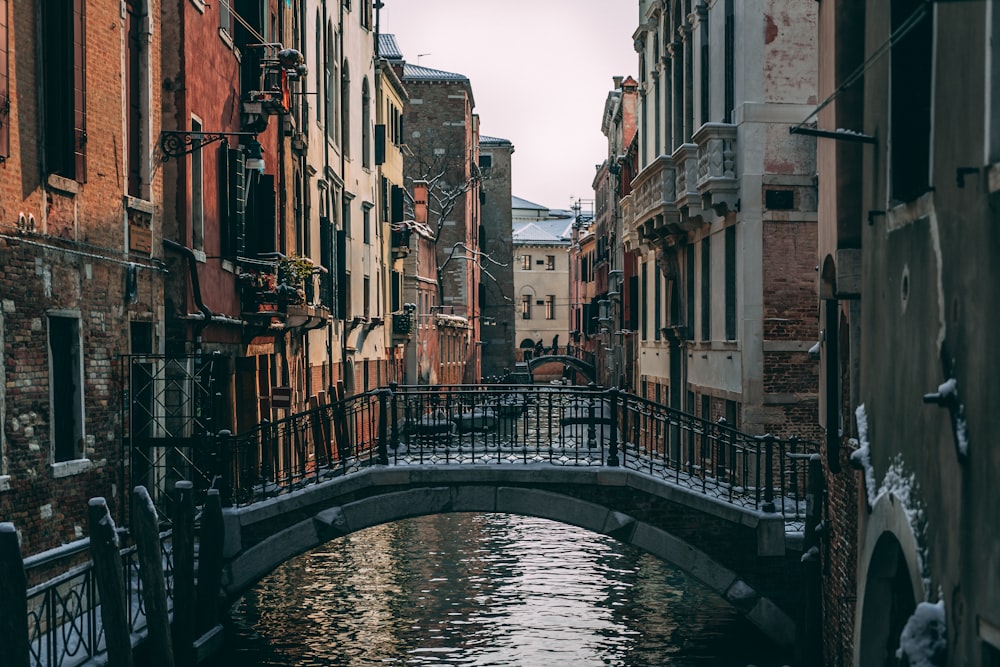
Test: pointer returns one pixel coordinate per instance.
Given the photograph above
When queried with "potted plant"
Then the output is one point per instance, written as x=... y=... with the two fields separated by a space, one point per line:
x=292 y=275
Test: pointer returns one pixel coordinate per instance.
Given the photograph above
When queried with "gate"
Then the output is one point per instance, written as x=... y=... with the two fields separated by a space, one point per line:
x=167 y=430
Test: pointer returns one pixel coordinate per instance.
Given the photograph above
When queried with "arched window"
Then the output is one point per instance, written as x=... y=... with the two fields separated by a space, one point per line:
x=331 y=83
x=366 y=119
x=320 y=80
x=345 y=109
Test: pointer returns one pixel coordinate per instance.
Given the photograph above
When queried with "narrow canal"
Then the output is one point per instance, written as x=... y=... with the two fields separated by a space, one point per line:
x=486 y=589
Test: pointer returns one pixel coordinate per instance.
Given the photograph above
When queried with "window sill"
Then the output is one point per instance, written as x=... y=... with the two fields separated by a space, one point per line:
x=137 y=204
x=199 y=5
x=904 y=215
x=70 y=468
x=226 y=38
x=4 y=482
x=199 y=255
x=993 y=177
x=66 y=185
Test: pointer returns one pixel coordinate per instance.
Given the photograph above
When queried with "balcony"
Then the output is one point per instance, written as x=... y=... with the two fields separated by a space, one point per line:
x=399 y=239
x=653 y=209
x=689 y=202
x=281 y=294
x=717 y=182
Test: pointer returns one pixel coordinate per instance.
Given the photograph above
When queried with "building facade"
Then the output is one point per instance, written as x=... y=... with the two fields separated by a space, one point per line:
x=541 y=283
x=443 y=185
x=909 y=155
x=496 y=301
x=81 y=257
x=723 y=211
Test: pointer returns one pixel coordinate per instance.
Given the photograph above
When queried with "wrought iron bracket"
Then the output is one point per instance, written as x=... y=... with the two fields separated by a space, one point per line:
x=174 y=143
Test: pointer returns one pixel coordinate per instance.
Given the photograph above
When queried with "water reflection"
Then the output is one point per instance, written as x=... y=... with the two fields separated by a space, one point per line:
x=486 y=589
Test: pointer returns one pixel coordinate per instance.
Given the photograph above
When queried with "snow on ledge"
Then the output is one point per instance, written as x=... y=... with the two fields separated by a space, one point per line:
x=924 y=640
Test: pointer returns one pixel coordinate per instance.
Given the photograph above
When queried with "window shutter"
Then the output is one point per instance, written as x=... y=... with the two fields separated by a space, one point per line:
x=4 y=84
x=79 y=91
x=260 y=237
x=380 y=144
x=397 y=204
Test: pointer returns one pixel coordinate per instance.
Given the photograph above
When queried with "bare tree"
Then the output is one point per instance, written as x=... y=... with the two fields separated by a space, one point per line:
x=449 y=175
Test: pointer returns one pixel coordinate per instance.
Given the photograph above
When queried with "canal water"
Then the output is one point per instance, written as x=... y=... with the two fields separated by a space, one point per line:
x=486 y=590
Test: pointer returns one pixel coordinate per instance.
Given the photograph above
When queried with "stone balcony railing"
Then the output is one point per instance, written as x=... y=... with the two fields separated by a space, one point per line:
x=689 y=202
x=716 y=176
x=653 y=211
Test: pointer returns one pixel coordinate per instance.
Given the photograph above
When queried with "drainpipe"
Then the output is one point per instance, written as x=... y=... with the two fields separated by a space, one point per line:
x=207 y=314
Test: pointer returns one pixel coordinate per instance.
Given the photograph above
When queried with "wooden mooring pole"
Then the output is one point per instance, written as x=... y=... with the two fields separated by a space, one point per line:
x=185 y=612
x=154 y=590
x=13 y=600
x=110 y=583
x=210 y=543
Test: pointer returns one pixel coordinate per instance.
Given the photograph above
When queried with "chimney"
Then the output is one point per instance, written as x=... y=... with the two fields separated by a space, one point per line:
x=618 y=81
x=420 y=201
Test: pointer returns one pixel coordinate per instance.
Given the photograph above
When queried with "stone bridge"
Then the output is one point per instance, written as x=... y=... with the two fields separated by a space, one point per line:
x=743 y=554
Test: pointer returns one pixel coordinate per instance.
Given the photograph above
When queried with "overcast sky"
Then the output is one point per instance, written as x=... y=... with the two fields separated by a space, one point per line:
x=540 y=73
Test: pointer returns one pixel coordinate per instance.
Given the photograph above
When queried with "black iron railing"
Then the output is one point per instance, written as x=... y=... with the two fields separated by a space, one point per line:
x=518 y=424
x=64 y=619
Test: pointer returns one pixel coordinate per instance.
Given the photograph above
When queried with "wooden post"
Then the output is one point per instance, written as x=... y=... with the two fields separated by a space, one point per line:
x=210 y=545
x=110 y=583
x=13 y=599
x=154 y=590
x=184 y=600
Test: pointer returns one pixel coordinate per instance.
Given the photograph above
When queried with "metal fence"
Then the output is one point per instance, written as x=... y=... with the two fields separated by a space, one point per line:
x=64 y=620
x=517 y=424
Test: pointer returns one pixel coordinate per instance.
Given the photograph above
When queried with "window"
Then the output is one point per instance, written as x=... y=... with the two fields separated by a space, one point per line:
x=526 y=262
x=232 y=200
x=910 y=106
x=526 y=307
x=366 y=121
x=550 y=307
x=645 y=300
x=136 y=83
x=550 y=263
x=226 y=16
x=731 y=282
x=332 y=98
x=345 y=109
x=197 y=190
x=64 y=89
x=366 y=14
x=367 y=212
x=729 y=101
x=657 y=303
x=367 y=288
x=689 y=295
x=706 y=289
x=66 y=398
x=485 y=161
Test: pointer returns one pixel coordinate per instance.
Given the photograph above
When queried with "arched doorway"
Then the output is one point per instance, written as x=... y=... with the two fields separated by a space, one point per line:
x=888 y=602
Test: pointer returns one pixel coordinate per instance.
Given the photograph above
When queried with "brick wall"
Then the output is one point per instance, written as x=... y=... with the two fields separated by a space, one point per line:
x=72 y=262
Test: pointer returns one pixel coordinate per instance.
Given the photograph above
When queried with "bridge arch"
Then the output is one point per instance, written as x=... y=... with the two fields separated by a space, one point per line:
x=261 y=537
x=583 y=367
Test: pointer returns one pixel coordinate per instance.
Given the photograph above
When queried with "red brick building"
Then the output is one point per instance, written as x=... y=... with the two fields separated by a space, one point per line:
x=442 y=134
x=81 y=270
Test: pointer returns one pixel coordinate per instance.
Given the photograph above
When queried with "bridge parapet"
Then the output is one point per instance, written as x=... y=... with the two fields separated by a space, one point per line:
x=517 y=425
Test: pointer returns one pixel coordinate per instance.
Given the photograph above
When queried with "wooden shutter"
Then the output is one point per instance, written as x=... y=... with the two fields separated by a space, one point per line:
x=79 y=91
x=4 y=84
x=380 y=144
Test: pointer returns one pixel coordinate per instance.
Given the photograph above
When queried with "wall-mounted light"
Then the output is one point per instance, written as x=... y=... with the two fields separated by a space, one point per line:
x=254 y=155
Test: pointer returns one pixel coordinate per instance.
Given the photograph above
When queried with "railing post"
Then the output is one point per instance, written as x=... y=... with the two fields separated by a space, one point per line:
x=13 y=599
x=224 y=447
x=613 y=449
x=184 y=600
x=146 y=528
x=210 y=547
x=591 y=426
x=394 y=441
x=768 y=505
x=110 y=583
x=266 y=473
x=383 y=422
